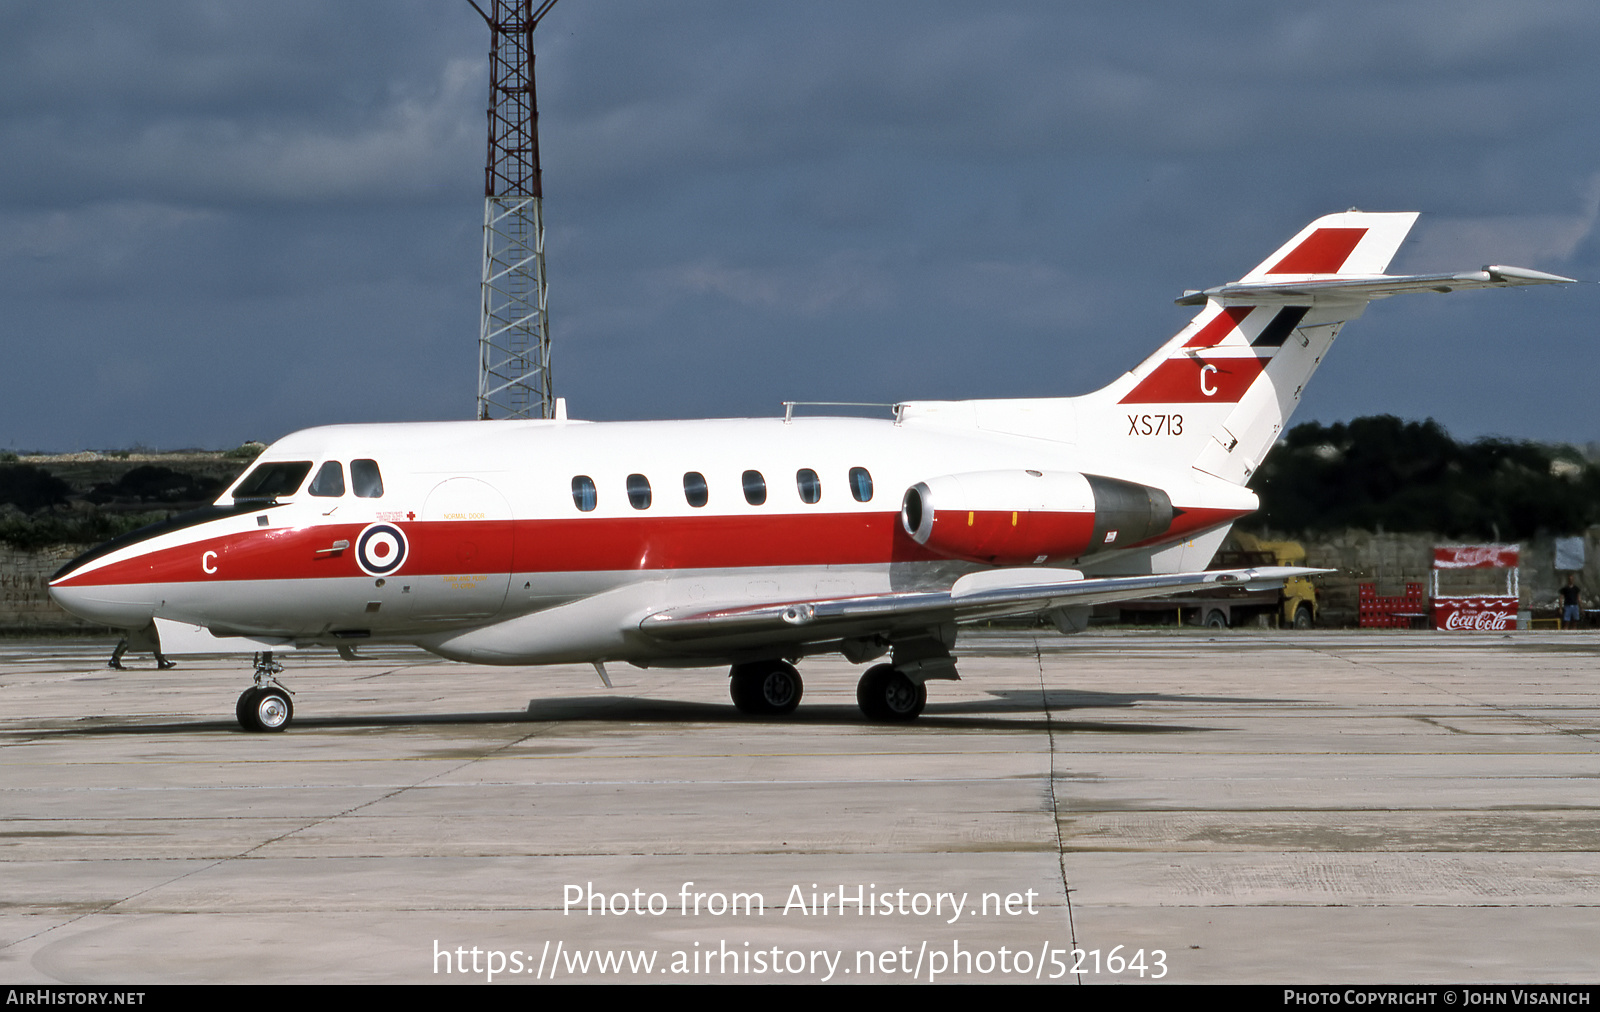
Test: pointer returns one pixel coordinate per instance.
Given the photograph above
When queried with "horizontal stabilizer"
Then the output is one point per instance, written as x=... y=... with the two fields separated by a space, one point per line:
x=1344 y=288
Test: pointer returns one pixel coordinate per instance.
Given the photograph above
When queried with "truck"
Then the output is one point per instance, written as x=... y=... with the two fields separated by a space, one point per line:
x=1292 y=607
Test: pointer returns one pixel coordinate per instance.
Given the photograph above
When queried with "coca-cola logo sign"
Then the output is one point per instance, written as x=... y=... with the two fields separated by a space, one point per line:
x=1475 y=614
x=1483 y=620
x=1477 y=556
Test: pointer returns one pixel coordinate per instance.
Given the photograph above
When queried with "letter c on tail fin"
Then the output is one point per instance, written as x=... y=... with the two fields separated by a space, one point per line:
x=1238 y=370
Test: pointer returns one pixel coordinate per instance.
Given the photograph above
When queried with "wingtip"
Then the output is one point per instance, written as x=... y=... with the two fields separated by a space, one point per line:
x=1525 y=276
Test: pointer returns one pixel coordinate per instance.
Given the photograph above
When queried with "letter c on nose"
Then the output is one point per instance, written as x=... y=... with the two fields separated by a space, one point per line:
x=208 y=562
x=1208 y=391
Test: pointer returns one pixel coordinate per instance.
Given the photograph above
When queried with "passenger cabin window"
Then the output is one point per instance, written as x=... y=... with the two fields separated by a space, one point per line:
x=583 y=493
x=639 y=491
x=366 y=479
x=329 y=481
x=861 y=484
x=809 y=484
x=755 y=488
x=695 y=490
x=268 y=481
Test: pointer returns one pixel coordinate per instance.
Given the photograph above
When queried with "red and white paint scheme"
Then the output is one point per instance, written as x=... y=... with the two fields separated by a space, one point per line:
x=757 y=542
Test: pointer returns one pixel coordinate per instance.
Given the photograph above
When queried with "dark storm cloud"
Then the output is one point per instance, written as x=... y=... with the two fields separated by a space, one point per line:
x=225 y=103
x=221 y=221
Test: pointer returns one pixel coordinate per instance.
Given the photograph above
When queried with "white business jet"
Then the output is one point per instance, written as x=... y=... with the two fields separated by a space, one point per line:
x=758 y=542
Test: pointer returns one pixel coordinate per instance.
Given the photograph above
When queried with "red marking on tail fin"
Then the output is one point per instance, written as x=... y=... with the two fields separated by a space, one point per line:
x=1219 y=328
x=1188 y=380
x=1323 y=252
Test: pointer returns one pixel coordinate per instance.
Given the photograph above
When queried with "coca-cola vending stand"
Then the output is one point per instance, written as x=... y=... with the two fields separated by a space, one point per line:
x=1479 y=611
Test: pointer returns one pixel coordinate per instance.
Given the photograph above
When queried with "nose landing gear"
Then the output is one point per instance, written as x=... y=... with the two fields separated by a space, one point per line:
x=266 y=705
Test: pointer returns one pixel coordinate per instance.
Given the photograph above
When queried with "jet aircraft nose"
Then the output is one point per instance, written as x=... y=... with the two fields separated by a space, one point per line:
x=103 y=599
x=125 y=606
x=100 y=585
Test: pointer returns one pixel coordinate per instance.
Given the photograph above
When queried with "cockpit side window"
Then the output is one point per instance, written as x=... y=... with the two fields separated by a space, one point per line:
x=270 y=480
x=366 y=479
x=329 y=481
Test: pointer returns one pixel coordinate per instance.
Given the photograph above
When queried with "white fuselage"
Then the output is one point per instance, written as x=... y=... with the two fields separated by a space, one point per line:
x=519 y=542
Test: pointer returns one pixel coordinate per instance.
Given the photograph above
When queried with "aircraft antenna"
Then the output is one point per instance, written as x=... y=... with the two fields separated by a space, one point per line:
x=514 y=326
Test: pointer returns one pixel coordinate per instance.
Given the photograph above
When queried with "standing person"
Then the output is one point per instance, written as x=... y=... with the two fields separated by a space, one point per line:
x=1571 y=599
x=147 y=640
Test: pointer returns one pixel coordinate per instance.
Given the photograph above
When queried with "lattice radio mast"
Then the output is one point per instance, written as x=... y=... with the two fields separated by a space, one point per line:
x=514 y=330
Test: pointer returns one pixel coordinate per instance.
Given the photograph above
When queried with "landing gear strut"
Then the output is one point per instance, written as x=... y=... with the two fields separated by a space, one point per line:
x=266 y=705
x=898 y=691
x=886 y=694
x=768 y=688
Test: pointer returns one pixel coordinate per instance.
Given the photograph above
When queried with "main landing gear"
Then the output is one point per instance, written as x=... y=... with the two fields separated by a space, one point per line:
x=266 y=705
x=886 y=694
x=773 y=689
x=766 y=688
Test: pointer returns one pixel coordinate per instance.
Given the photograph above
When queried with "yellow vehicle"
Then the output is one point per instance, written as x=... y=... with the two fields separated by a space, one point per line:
x=1298 y=599
x=1292 y=607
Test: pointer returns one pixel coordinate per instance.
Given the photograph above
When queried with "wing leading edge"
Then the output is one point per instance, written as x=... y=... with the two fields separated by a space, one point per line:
x=976 y=596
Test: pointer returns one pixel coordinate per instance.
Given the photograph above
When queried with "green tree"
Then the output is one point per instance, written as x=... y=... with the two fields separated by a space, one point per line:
x=1381 y=472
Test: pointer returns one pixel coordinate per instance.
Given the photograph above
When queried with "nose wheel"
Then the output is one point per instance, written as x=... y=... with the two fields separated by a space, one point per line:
x=264 y=709
x=266 y=705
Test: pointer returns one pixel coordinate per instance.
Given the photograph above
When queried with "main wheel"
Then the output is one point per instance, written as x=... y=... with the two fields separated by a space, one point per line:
x=264 y=709
x=1215 y=619
x=885 y=693
x=771 y=688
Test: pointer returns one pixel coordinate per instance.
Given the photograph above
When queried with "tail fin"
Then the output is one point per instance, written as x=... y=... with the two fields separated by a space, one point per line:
x=1352 y=244
x=1218 y=394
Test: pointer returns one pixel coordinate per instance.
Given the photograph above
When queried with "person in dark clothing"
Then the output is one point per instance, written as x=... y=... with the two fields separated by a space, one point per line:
x=1571 y=603
x=146 y=640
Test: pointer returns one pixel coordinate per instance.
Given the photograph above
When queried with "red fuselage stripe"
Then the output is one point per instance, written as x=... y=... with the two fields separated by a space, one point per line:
x=553 y=546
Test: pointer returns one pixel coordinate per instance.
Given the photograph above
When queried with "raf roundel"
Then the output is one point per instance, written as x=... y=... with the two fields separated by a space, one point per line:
x=380 y=549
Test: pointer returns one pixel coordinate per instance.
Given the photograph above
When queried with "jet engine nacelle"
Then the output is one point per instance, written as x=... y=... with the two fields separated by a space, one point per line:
x=1015 y=517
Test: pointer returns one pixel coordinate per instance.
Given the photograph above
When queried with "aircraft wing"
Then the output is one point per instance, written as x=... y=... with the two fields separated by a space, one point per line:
x=1377 y=286
x=989 y=594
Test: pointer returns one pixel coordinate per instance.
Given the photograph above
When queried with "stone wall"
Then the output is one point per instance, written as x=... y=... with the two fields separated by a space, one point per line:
x=1393 y=560
x=25 y=605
